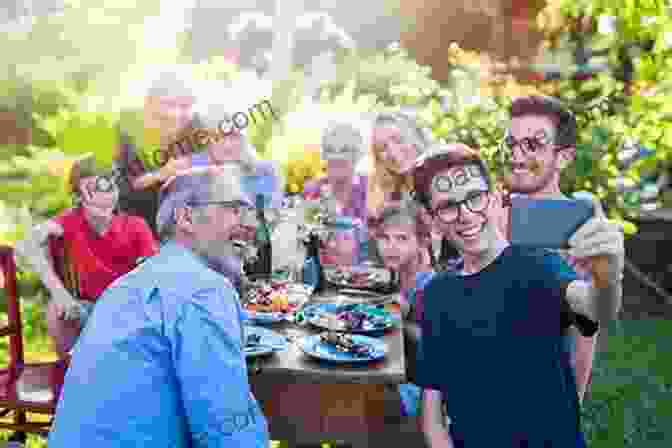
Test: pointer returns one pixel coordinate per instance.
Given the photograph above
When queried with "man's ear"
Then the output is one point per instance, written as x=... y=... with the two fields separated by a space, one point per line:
x=183 y=217
x=566 y=157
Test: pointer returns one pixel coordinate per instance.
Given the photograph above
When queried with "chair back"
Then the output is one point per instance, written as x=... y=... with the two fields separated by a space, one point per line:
x=14 y=328
x=62 y=265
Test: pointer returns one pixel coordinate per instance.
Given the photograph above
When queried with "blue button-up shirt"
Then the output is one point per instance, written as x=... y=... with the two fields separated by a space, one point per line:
x=160 y=364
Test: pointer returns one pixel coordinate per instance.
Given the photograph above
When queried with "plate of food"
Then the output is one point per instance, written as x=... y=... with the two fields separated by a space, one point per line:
x=343 y=348
x=351 y=317
x=262 y=341
x=358 y=277
x=268 y=301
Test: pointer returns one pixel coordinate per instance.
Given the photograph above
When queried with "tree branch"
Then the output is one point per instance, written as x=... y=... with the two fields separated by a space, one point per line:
x=647 y=281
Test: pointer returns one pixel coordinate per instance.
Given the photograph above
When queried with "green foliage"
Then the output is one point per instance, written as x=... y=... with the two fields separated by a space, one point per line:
x=34 y=182
x=608 y=112
x=391 y=75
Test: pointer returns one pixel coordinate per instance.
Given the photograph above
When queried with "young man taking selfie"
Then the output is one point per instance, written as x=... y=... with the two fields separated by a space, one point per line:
x=492 y=345
x=540 y=144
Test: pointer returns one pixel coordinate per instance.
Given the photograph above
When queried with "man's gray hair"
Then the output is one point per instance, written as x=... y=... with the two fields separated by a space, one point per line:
x=193 y=187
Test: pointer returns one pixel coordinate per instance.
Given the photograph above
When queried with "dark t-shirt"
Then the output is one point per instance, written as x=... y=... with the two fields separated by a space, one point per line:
x=493 y=345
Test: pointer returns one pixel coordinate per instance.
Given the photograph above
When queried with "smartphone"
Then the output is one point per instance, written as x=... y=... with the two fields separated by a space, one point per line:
x=546 y=223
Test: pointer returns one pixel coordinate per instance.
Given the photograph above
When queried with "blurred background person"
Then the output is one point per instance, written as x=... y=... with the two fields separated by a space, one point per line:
x=343 y=192
x=397 y=142
x=342 y=148
x=168 y=116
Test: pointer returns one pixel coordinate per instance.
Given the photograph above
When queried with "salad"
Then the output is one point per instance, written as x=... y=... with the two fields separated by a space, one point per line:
x=276 y=296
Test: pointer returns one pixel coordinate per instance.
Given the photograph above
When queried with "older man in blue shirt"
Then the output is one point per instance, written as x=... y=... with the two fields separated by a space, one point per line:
x=161 y=361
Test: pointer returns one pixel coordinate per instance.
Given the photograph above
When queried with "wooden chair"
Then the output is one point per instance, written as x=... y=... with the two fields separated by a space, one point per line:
x=24 y=387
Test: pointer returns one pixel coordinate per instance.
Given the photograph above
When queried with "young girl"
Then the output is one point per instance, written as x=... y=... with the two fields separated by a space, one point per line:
x=403 y=237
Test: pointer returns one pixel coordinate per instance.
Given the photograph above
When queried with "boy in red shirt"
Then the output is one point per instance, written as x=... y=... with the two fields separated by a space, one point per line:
x=97 y=244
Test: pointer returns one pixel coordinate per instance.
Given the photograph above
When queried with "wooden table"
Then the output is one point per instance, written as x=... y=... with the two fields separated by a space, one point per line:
x=307 y=400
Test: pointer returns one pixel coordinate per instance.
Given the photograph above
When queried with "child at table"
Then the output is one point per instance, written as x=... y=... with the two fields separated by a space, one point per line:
x=403 y=237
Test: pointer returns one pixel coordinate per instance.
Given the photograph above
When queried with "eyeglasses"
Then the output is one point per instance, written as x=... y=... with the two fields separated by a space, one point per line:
x=476 y=202
x=106 y=183
x=238 y=206
x=529 y=146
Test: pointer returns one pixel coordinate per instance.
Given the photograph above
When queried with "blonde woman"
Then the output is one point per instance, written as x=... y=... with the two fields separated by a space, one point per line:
x=397 y=143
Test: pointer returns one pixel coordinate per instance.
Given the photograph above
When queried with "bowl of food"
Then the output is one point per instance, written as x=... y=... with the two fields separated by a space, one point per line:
x=274 y=300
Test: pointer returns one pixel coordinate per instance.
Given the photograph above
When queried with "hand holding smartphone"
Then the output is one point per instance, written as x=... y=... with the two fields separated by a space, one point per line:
x=546 y=223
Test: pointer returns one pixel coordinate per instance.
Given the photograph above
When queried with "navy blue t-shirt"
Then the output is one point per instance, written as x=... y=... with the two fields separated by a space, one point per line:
x=493 y=345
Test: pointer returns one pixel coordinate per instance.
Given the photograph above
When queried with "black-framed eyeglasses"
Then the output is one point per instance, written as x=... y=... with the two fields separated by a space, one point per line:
x=239 y=206
x=529 y=146
x=475 y=202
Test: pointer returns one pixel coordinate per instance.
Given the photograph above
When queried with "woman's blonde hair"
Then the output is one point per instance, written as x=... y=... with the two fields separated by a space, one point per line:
x=383 y=178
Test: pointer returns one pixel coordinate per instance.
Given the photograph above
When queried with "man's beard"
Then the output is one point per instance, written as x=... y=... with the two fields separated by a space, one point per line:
x=541 y=180
x=227 y=265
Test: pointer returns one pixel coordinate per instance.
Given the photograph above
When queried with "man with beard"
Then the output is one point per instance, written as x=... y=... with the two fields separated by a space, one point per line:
x=98 y=245
x=540 y=144
x=161 y=362
x=492 y=335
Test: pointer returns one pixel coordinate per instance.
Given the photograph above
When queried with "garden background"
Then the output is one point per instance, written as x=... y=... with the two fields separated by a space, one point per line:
x=64 y=94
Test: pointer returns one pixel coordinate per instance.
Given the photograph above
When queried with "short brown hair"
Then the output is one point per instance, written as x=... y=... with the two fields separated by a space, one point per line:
x=84 y=166
x=440 y=158
x=546 y=106
x=404 y=207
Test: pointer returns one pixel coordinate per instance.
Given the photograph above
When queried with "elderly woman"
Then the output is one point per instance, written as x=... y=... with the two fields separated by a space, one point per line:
x=342 y=148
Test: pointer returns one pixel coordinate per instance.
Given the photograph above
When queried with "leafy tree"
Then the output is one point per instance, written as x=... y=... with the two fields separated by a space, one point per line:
x=613 y=107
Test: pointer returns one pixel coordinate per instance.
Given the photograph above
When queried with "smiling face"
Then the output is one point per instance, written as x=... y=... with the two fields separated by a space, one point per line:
x=534 y=162
x=398 y=244
x=463 y=210
x=216 y=220
x=99 y=195
x=395 y=147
